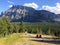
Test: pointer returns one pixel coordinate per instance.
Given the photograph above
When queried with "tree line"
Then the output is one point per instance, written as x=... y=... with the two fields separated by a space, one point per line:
x=7 y=27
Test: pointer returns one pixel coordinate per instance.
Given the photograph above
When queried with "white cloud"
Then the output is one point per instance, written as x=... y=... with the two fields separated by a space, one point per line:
x=33 y=5
x=10 y=5
x=10 y=2
x=55 y=9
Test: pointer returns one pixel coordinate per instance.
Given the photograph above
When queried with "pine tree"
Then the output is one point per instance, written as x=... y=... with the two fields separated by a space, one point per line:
x=40 y=31
x=16 y=28
x=49 y=31
x=22 y=26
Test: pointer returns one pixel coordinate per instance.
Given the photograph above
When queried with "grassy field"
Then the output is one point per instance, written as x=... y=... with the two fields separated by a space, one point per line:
x=23 y=39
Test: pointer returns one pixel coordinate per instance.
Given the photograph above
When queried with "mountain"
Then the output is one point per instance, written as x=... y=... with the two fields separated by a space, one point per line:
x=18 y=13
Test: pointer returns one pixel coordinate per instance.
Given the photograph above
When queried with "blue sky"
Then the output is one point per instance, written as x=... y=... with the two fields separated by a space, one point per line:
x=38 y=4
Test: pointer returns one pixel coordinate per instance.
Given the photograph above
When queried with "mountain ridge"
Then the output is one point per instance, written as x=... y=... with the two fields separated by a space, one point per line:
x=18 y=13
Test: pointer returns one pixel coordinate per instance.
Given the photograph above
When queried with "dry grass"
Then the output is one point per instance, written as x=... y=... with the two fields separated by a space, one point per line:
x=20 y=39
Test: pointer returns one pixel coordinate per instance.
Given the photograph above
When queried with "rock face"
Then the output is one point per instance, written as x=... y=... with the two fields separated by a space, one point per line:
x=18 y=13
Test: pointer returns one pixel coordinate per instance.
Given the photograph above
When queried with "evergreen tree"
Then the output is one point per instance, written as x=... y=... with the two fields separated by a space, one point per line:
x=40 y=31
x=49 y=31
x=22 y=27
x=16 y=28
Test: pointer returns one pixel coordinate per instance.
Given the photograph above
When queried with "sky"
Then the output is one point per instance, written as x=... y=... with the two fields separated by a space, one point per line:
x=49 y=5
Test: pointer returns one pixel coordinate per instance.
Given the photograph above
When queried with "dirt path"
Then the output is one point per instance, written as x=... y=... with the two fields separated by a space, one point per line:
x=29 y=39
x=46 y=39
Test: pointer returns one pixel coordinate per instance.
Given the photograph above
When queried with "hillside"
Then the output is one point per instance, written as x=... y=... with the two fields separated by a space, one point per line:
x=18 y=13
